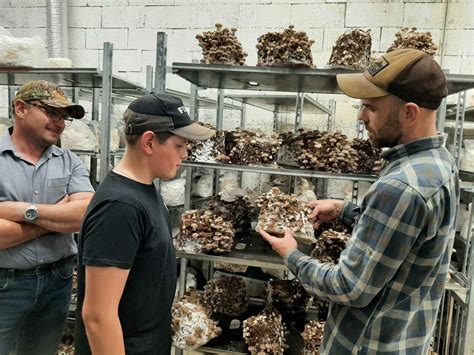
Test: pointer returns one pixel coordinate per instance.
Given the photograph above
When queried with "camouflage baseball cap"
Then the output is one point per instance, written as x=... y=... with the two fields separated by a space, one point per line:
x=49 y=94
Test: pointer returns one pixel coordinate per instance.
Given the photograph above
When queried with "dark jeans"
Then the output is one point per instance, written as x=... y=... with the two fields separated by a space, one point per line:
x=33 y=308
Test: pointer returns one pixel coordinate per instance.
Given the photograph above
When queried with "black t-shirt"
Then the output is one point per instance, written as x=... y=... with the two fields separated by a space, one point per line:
x=127 y=226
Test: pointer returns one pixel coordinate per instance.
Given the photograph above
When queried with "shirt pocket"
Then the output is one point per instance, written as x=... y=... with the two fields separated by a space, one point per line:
x=57 y=189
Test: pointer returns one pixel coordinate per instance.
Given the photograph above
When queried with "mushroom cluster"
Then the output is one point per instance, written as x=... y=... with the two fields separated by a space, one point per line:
x=202 y=231
x=221 y=47
x=287 y=48
x=368 y=157
x=279 y=211
x=410 y=38
x=331 y=152
x=245 y=147
x=313 y=336
x=352 y=50
x=226 y=295
x=288 y=296
x=265 y=333
x=191 y=325
x=329 y=246
x=236 y=212
x=336 y=225
x=207 y=150
x=66 y=349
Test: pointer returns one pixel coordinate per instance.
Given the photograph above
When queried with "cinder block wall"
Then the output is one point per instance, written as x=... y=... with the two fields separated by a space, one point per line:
x=131 y=26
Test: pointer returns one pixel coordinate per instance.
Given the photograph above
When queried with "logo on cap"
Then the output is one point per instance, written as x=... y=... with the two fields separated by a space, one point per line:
x=182 y=109
x=377 y=66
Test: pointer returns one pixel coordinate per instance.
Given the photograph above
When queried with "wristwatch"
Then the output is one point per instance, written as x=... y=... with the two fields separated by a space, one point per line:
x=31 y=213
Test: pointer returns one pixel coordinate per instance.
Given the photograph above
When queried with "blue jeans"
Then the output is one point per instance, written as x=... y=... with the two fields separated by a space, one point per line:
x=33 y=308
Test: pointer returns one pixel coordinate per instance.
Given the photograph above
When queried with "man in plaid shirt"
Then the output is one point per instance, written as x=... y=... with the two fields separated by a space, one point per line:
x=385 y=290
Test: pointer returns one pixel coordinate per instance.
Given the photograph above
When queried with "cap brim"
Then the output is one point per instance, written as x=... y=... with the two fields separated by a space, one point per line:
x=73 y=110
x=357 y=86
x=194 y=132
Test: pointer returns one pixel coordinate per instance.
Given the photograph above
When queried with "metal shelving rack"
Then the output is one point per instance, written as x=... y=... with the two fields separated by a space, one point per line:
x=256 y=252
x=320 y=81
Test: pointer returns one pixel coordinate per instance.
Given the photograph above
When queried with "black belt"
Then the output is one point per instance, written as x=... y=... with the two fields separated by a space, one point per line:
x=40 y=269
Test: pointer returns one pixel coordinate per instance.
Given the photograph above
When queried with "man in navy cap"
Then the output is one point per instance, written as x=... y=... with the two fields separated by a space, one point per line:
x=127 y=264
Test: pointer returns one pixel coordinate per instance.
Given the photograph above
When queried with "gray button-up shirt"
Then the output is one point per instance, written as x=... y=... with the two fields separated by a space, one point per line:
x=58 y=173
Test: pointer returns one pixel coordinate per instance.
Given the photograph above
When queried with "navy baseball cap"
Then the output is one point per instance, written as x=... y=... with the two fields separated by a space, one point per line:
x=162 y=113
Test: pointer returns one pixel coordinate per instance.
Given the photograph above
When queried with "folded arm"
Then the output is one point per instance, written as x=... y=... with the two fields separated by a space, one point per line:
x=14 y=233
x=63 y=217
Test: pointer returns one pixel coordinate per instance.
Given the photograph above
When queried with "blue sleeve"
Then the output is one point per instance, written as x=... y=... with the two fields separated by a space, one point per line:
x=390 y=221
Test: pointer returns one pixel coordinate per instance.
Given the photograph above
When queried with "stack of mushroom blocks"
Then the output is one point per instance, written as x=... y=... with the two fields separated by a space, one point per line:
x=221 y=47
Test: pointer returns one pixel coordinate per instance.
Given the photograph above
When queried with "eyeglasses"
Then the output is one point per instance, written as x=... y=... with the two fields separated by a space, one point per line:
x=54 y=114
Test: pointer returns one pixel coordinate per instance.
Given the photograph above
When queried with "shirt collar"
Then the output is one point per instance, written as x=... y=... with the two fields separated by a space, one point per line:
x=412 y=147
x=6 y=144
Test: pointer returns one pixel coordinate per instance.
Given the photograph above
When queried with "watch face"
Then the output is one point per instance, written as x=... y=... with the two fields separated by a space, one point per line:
x=31 y=214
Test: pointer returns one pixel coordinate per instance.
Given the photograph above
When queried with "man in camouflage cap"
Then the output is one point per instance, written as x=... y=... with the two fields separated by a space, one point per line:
x=44 y=192
x=49 y=94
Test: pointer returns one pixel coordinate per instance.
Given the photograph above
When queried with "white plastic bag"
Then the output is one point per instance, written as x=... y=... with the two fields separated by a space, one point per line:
x=22 y=52
x=173 y=192
x=203 y=187
x=80 y=135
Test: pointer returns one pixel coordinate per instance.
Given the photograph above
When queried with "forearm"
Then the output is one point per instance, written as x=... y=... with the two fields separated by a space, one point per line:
x=62 y=218
x=14 y=233
x=325 y=280
x=104 y=333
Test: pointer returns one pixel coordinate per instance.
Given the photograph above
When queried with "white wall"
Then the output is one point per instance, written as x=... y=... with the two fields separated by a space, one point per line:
x=131 y=26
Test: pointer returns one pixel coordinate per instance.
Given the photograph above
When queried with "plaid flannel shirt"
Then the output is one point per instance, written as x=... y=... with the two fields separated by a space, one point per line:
x=386 y=289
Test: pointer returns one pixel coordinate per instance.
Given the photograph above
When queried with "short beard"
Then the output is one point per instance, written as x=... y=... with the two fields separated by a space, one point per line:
x=390 y=134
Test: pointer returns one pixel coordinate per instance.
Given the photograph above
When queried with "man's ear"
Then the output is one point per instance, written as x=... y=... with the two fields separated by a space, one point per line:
x=147 y=140
x=411 y=112
x=19 y=108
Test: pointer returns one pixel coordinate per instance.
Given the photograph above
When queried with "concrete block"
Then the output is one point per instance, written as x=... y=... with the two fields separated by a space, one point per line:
x=12 y=17
x=459 y=64
x=98 y=2
x=153 y=2
x=424 y=15
x=27 y=3
x=460 y=15
x=317 y=35
x=142 y=38
x=293 y=2
x=319 y=15
x=374 y=15
x=149 y=58
x=95 y=38
x=387 y=37
x=459 y=42
x=23 y=17
x=123 y=16
x=167 y=16
x=206 y=15
x=127 y=60
x=77 y=38
x=85 y=58
x=86 y=17
x=4 y=3
x=264 y=16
